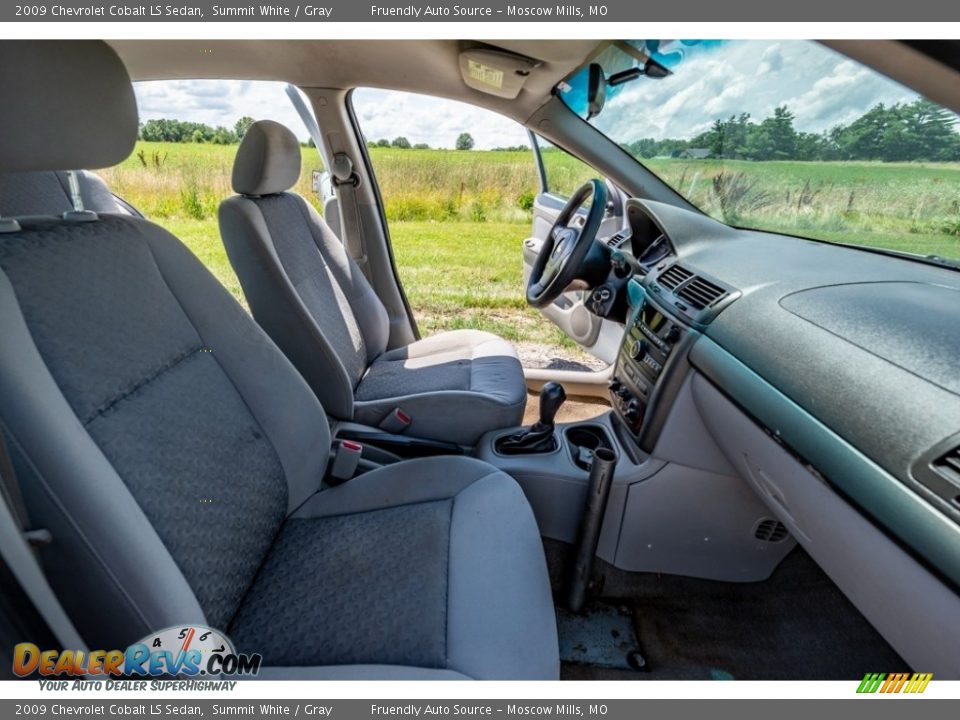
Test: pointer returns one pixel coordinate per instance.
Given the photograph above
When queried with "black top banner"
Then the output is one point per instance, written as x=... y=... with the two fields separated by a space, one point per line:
x=495 y=11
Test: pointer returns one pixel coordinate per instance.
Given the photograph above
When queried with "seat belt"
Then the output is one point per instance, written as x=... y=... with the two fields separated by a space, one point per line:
x=345 y=181
x=19 y=557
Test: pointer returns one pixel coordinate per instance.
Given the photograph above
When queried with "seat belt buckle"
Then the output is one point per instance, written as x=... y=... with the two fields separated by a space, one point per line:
x=346 y=459
x=396 y=422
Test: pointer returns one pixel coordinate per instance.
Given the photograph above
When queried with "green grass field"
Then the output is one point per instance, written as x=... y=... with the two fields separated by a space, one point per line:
x=900 y=206
x=457 y=219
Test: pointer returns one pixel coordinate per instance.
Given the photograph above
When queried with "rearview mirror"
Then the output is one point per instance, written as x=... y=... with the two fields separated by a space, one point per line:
x=596 y=90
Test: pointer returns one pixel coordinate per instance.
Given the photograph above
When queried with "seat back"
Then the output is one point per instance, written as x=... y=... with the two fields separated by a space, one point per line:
x=303 y=287
x=158 y=433
x=48 y=193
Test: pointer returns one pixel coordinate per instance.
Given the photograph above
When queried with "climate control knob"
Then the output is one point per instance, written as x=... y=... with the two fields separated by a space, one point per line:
x=639 y=349
x=633 y=413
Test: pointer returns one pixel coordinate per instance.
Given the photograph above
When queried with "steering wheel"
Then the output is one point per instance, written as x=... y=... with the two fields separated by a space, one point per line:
x=565 y=248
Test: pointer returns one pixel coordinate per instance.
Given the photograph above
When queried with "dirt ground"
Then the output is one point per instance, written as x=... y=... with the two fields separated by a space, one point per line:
x=552 y=357
x=575 y=408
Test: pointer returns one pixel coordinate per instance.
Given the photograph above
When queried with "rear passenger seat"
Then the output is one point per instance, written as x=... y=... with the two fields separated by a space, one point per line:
x=48 y=193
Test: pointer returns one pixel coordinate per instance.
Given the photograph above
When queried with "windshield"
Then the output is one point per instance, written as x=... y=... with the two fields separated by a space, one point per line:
x=788 y=136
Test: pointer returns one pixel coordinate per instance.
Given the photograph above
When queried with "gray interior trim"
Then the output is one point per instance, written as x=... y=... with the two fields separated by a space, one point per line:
x=334 y=114
x=904 y=513
x=908 y=605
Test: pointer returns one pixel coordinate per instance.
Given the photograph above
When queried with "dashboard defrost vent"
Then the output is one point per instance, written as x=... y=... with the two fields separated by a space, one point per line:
x=674 y=276
x=770 y=530
x=701 y=293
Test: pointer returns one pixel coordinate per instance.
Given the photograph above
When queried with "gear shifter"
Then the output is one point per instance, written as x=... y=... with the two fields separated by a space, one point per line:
x=539 y=437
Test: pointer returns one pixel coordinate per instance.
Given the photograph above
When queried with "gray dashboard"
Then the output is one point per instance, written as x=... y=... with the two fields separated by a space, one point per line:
x=866 y=344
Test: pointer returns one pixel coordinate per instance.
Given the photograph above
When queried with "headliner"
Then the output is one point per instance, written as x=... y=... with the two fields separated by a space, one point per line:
x=420 y=66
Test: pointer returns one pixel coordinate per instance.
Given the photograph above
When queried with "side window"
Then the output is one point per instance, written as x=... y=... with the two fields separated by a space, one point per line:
x=562 y=172
x=458 y=185
x=439 y=160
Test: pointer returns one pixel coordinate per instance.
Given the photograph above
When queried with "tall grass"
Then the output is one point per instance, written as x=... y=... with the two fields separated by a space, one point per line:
x=913 y=207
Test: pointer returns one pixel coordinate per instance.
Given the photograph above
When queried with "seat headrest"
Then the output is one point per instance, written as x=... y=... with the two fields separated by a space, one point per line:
x=268 y=160
x=67 y=104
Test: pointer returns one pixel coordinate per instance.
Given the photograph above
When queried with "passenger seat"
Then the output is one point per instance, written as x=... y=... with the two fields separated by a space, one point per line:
x=313 y=300
x=178 y=458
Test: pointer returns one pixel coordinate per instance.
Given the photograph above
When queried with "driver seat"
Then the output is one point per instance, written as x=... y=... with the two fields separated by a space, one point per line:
x=315 y=303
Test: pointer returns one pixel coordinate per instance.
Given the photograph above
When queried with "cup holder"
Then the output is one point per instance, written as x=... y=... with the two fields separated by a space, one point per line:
x=584 y=440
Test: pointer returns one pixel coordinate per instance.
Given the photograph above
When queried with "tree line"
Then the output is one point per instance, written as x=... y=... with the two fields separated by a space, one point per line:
x=920 y=130
x=182 y=131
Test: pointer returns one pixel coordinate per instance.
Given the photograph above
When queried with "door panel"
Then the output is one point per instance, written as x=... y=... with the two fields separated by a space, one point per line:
x=568 y=312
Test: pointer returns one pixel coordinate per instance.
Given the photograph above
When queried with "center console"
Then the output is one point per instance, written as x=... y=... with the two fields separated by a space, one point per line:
x=653 y=343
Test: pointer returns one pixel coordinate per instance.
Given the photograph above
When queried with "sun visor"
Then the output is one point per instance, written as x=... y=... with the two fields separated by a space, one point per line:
x=495 y=72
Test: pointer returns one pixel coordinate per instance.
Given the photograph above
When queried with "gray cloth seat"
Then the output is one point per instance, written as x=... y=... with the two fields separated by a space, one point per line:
x=177 y=457
x=395 y=568
x=313 y=300
x=48 y=193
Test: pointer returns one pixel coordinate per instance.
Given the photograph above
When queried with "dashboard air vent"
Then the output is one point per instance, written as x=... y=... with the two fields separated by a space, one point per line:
x=673 y=276
x=618 y=240
x=770 y=530
x=949 y=466
x=701 y=293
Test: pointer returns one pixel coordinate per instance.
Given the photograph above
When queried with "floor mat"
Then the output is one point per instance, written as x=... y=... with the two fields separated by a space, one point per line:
x=602 y=635
x=797 y=625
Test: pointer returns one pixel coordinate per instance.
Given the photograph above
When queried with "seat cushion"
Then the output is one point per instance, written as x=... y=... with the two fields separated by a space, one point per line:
x=432 y=564
x=455 y=386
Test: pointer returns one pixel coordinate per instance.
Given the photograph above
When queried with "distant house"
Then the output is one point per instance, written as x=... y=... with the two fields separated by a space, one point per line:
x=696 y=153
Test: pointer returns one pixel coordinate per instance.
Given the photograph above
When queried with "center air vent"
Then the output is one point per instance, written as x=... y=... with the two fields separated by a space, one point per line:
x=701 y=293
x=673 y=276
x=770 y=530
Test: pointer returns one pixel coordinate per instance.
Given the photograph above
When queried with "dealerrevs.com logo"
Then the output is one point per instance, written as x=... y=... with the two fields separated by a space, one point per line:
x=891 y=683
x=190 y=651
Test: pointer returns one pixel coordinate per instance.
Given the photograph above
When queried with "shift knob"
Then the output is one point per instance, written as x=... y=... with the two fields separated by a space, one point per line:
x=551 y=398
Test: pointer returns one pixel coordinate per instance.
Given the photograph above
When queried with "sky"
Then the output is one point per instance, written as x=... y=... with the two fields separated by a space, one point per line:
x=821 y=88
x=382 y=113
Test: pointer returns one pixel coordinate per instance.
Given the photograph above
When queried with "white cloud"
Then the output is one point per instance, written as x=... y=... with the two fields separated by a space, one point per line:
x=771 y=61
